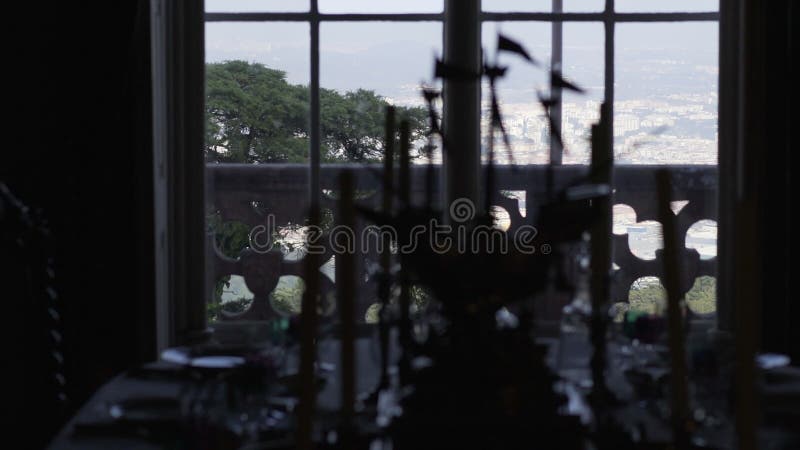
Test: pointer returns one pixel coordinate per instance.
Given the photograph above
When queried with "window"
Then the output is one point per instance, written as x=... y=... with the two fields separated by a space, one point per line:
x=302 y=88
x=294 y=89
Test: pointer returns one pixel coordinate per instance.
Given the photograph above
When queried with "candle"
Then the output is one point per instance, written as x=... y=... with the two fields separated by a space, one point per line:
x=386 y=256
x=600 y=249
x=405 y=197
x=388 y=160
x=404 y=182
x=308 y=351
x=672 y=283
x=345 y=296
x=490 y=164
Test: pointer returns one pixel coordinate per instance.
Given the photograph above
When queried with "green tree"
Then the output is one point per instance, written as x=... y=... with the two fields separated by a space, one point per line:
x=702 y=298
x=649 y=295
x=253 y=115
x=353 y=125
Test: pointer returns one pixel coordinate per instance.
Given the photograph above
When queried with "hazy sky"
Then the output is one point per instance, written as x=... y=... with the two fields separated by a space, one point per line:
x=392 y=58
x=327 y=6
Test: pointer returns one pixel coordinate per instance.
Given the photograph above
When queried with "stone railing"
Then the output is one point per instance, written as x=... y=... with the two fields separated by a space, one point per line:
x=249 y=193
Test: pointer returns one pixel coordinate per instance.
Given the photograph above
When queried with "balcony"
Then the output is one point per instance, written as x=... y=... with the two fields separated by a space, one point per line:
x=247 y=194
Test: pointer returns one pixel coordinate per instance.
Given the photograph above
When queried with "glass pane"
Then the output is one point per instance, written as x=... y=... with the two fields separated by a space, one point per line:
x=584 y=5
x=517 y=91
x=277 y=45
x=262 y=121
x=517 y=5
x=257 y=77
x=665 y=110
x=256 y=5
x=583 y=64
x=383 y=6
x=363 y=68
x=666 y=5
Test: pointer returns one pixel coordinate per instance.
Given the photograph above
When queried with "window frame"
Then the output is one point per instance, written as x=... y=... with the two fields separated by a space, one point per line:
x=178 y=86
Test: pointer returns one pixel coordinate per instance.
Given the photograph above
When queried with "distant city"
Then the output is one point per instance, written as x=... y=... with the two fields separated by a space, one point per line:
x=676 y=130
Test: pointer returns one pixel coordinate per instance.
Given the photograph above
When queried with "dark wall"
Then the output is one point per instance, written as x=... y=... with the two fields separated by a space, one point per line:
x=779 y=183
x=79 y=148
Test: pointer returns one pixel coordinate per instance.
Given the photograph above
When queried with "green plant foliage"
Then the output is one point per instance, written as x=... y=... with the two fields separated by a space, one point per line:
x=702 y=297
x=253 y=115
x=288 y=295
x=420 y=297
x=373 y=313
x=231 y=237
x=649 y=296
x=214 y=310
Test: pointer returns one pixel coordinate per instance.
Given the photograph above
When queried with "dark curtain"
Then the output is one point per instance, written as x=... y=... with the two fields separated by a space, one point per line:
x=79 y=148
x=778 y=184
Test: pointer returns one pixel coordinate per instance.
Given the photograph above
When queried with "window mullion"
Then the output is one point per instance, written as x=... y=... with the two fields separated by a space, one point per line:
x=609 y=24
x=462 y=101
x=314 y=107
x=556 y=56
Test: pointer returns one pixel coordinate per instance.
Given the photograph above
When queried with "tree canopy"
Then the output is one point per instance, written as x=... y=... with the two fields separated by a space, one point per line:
x=253 y=115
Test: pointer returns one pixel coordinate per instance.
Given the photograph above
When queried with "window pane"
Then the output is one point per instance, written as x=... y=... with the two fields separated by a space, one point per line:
x=256 y=5
x=542 y=5
x=383 y=6
x=666 y=93
x=257 y=77
x=277 y=45
x=363 y=68
x=517 y=5
x=666 y=113
x=665 y=5
x=257 y=81
x=584 y=5
x=584 y=64
x=522 y=114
